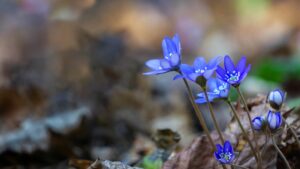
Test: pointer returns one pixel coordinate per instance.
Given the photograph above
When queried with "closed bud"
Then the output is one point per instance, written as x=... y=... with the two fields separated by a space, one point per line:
x=276 y=98
x=274 y=120
x=258 y=122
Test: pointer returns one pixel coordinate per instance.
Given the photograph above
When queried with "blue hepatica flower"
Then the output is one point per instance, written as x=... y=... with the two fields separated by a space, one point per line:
x=172 y=57
x=258 y=122
x=232 y=74
x=217 y=89
x=224 y=155
x=276 y=98
x=200 y=68
x=274 y=120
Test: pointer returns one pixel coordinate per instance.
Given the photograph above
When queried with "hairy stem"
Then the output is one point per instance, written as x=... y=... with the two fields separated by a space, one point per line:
x=292 y=130
x=200 y=116
x=213 y=116
x=250 y=122
x=280 y=153
x=243 y=130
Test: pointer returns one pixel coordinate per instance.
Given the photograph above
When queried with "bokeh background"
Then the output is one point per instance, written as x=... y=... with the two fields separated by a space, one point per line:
x=71 y=83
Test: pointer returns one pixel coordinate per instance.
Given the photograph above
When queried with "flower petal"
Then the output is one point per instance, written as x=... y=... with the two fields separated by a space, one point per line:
x=228 y=147
x=165 y=64
x=201 y=97
x=176 y=40
x=165 y=49
x=212 y=84
x=156 y=72
x=186 y=69
x=272 y=121
x=278 y=119
x=228 y=64
x=241 y=64
x=199 y=63
x=257 y=122
x=219 y=148
x=214 y=62
x=208 y=73
x=222 y=73
x=171 y=48
x=174 y=59
x=154 y=64
x=245 y=73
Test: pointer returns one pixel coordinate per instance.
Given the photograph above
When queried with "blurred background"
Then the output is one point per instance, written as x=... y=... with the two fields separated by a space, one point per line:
x=71 y=83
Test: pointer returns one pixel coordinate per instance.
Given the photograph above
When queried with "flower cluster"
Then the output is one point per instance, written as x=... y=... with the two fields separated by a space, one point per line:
x=202 y=73
x=273 y=120
x=216 y=82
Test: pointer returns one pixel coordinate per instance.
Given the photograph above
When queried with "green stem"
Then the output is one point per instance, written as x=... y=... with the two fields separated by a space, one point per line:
x=292 y=130
x=280 y=153
x=243 y=130
x=250 y=123
x=213 y=116
x=200 y=116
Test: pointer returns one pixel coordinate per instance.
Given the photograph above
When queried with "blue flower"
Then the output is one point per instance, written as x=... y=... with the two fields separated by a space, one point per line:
x=258 y=122
x=172 y=57
x=274 y=120
x=224 y=155
x=232 y=74
x=217 y=89
x=200 y=68
x=276 y=98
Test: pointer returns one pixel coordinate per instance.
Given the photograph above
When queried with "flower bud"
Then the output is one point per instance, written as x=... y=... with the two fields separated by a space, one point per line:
x=258 y=122
x=276 y=98
x=274 y=120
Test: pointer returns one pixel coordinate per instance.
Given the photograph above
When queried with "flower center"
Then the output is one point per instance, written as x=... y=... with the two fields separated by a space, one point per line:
x=226 y=156
x=223 y=86
x=233 y=76
x=201 y=70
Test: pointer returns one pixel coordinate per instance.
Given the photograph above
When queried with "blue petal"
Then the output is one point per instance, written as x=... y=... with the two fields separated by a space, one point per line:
x=278 y=119
x=208 y=73
x=153 y=64
x=224 y=93
x=221 y=72
x=192 y=76
x=272 y=121
x=257 y=122
x=212 y=84
x=232 y=158
x=165 y=64
x=156 y=72
x=228 y=147
x=214 y=62
x=171 y=48
x=245 y=73
x=174 y=59
x=165 y=49
x=201 y=97
x=219 y=149
x=218 y=157
x=186 y=69
x=241 y=64
x=228 y=63
x=176 y=40
x=199 y=63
